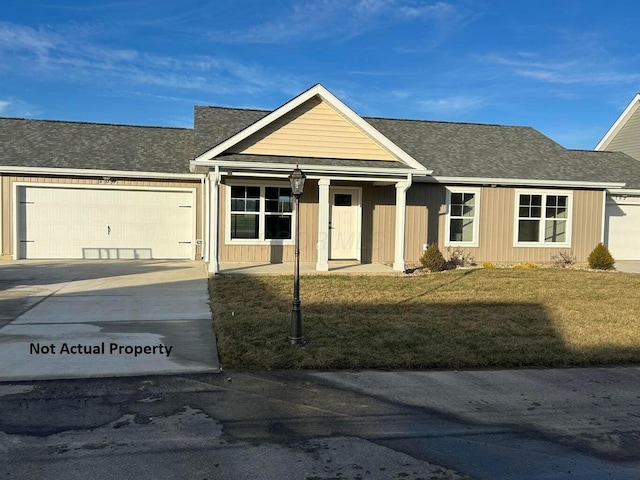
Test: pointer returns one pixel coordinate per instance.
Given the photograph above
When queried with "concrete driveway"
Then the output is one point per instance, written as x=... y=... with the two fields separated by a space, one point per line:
x=80 y=319
x=628 y=266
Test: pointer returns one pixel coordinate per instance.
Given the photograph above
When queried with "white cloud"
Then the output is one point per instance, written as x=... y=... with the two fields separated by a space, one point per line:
x=587 y=70
x=77 y=58
x=313 y=20
x=452 y=105
x=12 y=107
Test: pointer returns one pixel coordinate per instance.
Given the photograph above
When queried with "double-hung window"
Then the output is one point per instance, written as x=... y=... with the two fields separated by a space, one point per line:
x=463 y=207
x=543 y=218
x=260 y=213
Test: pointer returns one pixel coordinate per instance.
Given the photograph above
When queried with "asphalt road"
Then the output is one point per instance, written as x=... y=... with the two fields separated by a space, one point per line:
x=522 y=424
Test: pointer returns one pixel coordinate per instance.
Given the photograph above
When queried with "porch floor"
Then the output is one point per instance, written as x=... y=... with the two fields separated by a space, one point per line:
x=306 y=268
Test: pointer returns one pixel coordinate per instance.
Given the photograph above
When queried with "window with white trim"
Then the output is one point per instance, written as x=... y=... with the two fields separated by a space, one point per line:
x=260 y=213
x=463 y=206
x=543 y=218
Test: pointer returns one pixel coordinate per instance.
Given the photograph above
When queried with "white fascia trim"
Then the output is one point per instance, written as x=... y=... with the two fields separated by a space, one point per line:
x=624 y=191
x=619 y=123
x=520 y=182
x=336 y=103
x=286 y=167
x=78 y=172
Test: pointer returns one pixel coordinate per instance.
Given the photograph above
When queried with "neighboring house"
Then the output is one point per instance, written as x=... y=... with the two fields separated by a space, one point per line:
x=622 y=227
x=378 y=190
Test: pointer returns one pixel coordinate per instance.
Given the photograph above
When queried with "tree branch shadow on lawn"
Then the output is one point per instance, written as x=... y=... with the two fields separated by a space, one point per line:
x=252 y=316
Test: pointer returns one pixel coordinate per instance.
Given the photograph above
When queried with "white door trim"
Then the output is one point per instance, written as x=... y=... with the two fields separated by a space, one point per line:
x=16 y=204
x=357 y=192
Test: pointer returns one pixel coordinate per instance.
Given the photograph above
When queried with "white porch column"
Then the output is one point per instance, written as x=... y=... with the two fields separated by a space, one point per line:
x=213 y=180
x=401 y=207
x=323 y=225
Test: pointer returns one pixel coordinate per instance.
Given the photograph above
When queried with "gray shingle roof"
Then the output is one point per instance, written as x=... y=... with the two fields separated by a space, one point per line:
x=449 y=149
x=213 y=125
x=56 y=144
x=498 y=151
x=455 y=149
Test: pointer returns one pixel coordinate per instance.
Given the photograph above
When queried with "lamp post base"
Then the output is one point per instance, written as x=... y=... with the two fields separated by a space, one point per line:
x=295 y=331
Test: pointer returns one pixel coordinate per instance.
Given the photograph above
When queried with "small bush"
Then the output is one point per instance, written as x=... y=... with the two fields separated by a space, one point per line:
x=458 y=258
x=525 y=265
x=432 y=259
x=600 y=258
x=488 y=265
x=563 y=260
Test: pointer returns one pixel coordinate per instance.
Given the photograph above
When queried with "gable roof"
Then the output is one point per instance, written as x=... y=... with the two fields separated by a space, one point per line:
x=78 y=145
x=453 y=150
x=322 y=93
x=456 y=152
x=619 y=124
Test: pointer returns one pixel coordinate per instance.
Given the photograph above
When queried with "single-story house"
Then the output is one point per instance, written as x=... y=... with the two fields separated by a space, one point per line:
x=378 y=189
x=623 y=207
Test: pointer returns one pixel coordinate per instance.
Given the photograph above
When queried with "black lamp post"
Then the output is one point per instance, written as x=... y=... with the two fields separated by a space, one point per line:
x=297 y=179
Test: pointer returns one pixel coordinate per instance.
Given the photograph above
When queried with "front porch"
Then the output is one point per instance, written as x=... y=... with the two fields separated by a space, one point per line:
x=306 y=268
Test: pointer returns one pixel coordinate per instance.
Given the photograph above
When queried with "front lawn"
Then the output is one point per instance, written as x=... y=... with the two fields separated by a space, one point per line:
x=453 y=319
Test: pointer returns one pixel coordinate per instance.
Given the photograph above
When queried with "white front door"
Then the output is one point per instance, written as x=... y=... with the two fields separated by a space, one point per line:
x=344 y=223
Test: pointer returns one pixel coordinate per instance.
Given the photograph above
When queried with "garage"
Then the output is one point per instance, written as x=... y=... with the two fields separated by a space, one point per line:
x=105 y=223
x=623 y=227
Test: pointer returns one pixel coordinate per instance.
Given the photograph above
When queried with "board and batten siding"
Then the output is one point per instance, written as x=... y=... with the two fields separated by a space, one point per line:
x=497 y=223
x=7 y=200
x=378 y=223
x=627 y=140
x=228 y=252
x=313 y=129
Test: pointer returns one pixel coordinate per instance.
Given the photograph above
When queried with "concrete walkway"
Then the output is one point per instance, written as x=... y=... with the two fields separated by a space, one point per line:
x=104 y=318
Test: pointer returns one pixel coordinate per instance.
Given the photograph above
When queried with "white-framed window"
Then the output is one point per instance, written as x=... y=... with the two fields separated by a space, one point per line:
x=462 y=220
x=259 y=213
x=543 y=218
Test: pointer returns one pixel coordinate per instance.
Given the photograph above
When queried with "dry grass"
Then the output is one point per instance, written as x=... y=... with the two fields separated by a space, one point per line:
x=454 y=319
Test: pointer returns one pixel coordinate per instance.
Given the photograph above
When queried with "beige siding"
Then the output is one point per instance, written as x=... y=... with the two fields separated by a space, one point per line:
x=378 y=223
x=628 y=138
x=7 y=201
x=425 y=206
x=497 y=222
x=314 y=129
x=274 y=253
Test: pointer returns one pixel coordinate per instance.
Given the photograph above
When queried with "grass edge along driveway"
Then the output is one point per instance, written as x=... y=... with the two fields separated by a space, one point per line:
x=472 y=318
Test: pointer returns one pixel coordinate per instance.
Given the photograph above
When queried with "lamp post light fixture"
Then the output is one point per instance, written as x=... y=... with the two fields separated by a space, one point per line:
x=297 y=179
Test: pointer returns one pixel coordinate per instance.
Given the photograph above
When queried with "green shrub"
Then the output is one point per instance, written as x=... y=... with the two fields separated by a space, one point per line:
x=600 y=258
x=432 y=259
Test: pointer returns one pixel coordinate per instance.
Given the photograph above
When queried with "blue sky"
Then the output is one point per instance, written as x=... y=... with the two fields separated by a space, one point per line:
x=565 y=67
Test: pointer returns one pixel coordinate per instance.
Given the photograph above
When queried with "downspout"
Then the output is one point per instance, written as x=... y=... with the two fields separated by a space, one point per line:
x=604 y=232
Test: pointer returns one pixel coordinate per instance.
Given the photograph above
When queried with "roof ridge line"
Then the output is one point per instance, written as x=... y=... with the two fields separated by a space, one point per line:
x=82 y=122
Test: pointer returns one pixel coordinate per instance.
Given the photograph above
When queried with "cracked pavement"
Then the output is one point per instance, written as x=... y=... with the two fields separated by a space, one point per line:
x=529 y=424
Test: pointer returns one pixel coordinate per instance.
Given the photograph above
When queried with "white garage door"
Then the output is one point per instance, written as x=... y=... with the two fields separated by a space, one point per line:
x=623 y=222
x=105 y=223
